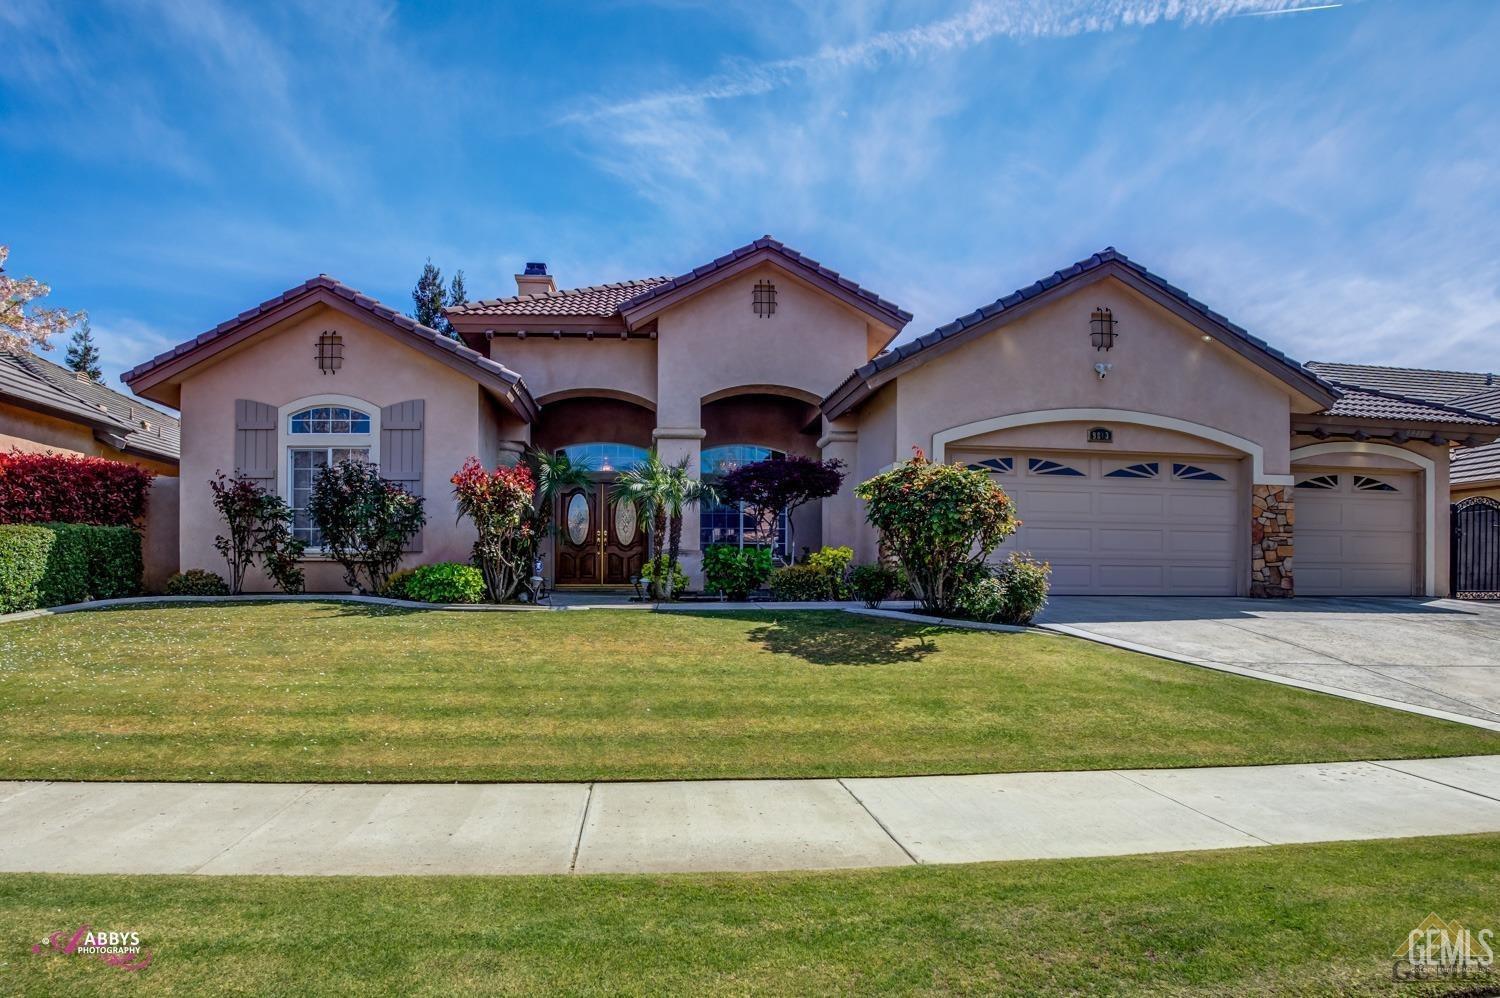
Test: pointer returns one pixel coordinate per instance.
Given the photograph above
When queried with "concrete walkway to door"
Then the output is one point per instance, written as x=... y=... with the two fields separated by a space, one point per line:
x=728 y=825
x=1440 y=657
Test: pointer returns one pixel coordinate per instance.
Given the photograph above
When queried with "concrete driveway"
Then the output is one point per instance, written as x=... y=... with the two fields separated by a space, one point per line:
x=1439 y=656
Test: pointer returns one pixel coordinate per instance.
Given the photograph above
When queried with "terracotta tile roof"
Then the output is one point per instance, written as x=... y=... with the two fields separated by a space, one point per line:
x=1368 y=403
x=1475 y=464
x=1109 y=255
x=30 y=380
x=1413 y=382
x=598 y=300
x=898 y=314
x=363 y=301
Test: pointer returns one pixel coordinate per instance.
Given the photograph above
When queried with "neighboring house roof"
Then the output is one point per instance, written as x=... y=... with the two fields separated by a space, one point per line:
x=1107 y=262
x=125 y=423
x=1368 y=403
x=1487 y=402
x=646 y=304
x=326 y=290
x=1414 y=382
x=598 y=300
x=1475 y=465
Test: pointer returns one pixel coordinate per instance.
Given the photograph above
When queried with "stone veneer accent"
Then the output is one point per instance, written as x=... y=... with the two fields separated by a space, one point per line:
x=1271 y=522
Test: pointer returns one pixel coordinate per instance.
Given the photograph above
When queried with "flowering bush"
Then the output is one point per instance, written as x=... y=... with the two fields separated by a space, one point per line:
x=364 y=519
x=62 y=488
x=938 y=520
x=500 y=503
x=260 y=526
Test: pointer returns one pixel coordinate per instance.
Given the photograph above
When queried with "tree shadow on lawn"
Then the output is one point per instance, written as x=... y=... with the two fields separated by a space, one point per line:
x=834 y=638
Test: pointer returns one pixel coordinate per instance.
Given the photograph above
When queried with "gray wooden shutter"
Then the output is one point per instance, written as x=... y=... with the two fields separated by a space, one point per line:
x=401 y=450
x=255 y=442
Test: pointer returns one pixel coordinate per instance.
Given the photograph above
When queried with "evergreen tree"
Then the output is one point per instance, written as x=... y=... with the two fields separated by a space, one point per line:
x=429 y=298
x=83 y=355
x=457 y=293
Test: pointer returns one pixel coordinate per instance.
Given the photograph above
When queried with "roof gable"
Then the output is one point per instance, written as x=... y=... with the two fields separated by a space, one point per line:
x=1107 y=263
x=649 y=303
x=324 y=290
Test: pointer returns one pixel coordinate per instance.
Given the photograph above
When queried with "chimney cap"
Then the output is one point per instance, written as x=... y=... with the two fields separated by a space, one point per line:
x=536 y=269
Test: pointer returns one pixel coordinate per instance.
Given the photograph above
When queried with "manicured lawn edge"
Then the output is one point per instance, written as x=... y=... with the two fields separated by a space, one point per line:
x=1308 y=919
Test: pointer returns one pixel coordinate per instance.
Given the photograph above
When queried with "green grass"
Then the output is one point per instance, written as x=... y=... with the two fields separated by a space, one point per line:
x=1309 y=920
x=339 y=692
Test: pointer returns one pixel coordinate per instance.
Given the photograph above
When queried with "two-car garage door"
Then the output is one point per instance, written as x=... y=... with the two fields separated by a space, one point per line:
x=1154 y=525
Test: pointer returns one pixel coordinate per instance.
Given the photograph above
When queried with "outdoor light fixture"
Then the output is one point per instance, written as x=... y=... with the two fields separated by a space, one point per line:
x=1102 y=329
x=330 y=352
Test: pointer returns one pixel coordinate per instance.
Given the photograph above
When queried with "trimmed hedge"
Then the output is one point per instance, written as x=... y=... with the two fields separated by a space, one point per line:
x=64 y=488
x=197 y=582
x=445 y=582
x=800 y=583
x=53 y=564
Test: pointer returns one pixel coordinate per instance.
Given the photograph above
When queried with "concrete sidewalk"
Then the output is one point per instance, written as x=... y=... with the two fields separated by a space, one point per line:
x=225 y=828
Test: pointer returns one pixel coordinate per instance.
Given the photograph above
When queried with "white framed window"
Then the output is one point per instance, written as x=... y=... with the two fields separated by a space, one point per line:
x=315 y=433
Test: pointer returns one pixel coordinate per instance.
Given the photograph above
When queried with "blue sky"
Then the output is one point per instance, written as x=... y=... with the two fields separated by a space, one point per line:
x=1328 y=178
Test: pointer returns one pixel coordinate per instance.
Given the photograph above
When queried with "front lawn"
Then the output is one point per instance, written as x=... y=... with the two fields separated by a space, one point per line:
x=343 y=691
x=1303 y=920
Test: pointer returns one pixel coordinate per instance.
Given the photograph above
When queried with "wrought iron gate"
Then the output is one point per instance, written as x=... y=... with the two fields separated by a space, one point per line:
x=1475 y=563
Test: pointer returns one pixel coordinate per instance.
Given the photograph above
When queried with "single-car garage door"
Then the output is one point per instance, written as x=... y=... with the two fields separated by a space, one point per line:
x=1356 y=533
x=1153 y=525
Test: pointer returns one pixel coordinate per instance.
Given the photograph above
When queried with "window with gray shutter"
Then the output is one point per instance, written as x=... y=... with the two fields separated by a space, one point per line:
x=401 y=449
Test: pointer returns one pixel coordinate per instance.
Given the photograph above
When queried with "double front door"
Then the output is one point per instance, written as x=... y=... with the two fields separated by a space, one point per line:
x=600 y=540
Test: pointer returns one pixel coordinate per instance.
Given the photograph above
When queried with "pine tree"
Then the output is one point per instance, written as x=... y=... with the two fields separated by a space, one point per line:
x=429 y=298
x=83 y=355
x=457 y=293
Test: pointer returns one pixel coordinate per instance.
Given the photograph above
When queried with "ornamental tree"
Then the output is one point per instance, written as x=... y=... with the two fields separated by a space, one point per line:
x=501 y=504
x=939 y=521
x=365 y=520
x=260 y=526
x=779 y=485
x=23 y=324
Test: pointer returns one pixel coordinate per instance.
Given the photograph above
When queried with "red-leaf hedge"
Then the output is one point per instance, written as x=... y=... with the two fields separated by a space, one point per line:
x=60 y=488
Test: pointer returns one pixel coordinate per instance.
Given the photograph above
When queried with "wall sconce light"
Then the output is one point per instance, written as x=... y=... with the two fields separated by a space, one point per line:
x=330 y=352
x=1102 y=329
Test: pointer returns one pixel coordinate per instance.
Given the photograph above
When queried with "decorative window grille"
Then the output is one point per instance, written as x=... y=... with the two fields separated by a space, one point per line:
x=765 y=299
x=330 y=352
x=1148 y=470
x=1319 y=482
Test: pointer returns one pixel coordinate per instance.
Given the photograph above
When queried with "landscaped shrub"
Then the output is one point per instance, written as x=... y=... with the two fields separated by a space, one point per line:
x=260 y=526
x=54 y=564
x=445 y=582
x=1026 y=583
x=654 y=575
x=834 y=564
x=197 y=582
x=61 y=488
x=735 y=571
x=981 y=599
x=799 y=583
x=873 y=583
x=937 y=519
x=23 y=561
x=365 y=520
x=500 y=503
x=395 y=584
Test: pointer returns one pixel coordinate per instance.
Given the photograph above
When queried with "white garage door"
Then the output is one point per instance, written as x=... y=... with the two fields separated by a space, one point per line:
x=1126 y=526
x=1356 y=533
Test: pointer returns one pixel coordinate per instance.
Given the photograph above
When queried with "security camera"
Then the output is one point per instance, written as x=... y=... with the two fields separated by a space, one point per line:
x=1102 y=369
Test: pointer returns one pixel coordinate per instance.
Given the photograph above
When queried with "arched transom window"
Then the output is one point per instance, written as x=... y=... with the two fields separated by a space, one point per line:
x=319 y=436
x=604 y=456
x=330 y=419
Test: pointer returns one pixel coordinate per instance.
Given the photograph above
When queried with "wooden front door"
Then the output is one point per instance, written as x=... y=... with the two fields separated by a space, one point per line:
x=600 y=542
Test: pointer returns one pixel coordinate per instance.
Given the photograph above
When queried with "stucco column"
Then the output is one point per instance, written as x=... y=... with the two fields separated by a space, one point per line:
x=674 y=444
x=840 y=441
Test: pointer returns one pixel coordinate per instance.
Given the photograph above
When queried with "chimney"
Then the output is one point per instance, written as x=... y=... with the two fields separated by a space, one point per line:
x=536 y=280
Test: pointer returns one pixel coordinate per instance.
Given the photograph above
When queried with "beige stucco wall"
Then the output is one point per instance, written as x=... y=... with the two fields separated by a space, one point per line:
x=1467 y=491
x=580 y=366
x=1044 y=360
x=278 y=368
x=159 y=534
x=1357 y=454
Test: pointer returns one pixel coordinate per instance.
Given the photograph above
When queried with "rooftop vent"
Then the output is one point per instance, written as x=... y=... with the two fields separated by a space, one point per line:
x=536 y=270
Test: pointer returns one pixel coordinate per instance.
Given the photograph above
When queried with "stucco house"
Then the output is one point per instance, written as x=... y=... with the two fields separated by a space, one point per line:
x=1152 y=446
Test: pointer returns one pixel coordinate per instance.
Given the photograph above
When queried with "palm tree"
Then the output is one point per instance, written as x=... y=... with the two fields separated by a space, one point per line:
x=683 y=490
x=557 y=475
x=648 y=485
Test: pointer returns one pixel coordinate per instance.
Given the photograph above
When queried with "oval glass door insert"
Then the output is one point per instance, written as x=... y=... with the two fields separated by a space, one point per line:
x=578 y=518
x=625 y=522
